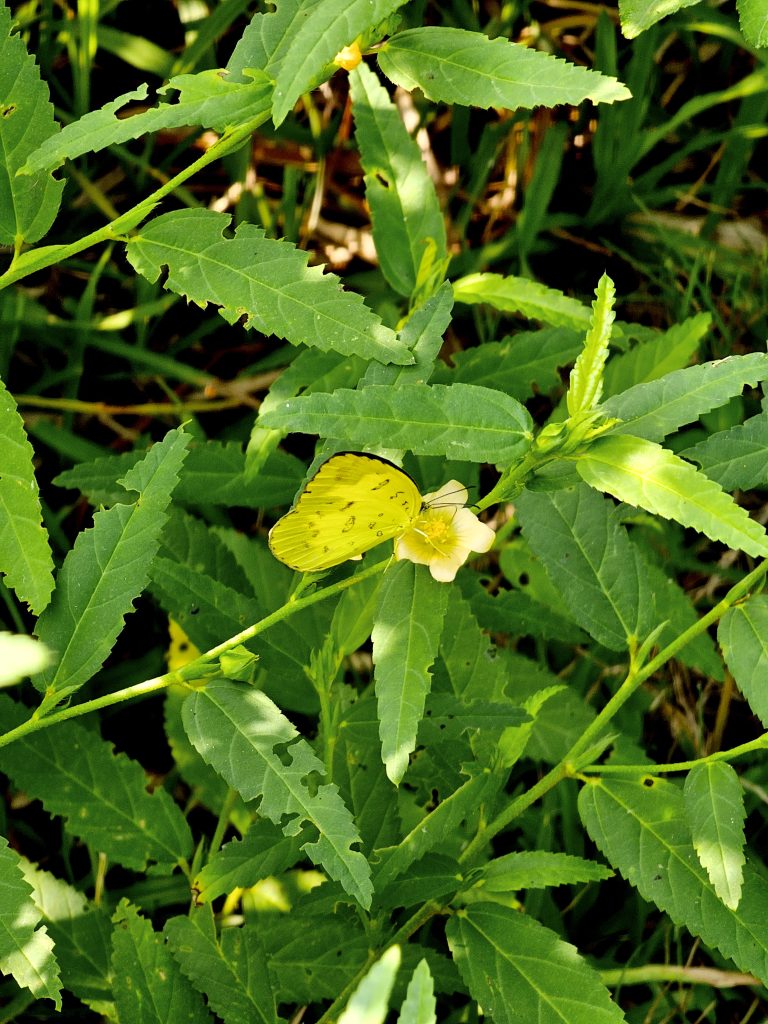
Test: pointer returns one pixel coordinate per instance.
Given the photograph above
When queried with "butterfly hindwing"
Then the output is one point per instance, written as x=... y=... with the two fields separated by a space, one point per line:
x=351 y=504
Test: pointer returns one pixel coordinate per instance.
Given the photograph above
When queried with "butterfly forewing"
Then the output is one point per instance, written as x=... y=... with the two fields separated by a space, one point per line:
x=351 y=504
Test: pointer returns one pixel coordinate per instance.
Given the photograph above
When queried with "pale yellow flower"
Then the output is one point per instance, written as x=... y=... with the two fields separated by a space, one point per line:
x=444 y=534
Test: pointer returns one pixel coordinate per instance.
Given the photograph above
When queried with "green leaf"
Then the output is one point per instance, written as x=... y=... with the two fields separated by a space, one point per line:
x=753 y=18
x=714 y=809
x=102 y=796
x=656 y=357
x=515 y=740
x=208 y=788
x=452 y=65
x=405 y=213
x=406 y=633
x=320 y=31
x=230 y=969
x=521 y=295
x=419 y=1006
x=661 y=407
x=149 y=987
x=474 y=670
x=560 y=714
x=190 y=541
x=639 y=825
x=586 y=381
x=82 y=936
x=458 y=421
x=434 y=877
x=360 y=775
x=735 y=458
x=433 y=830
x=519 y=971
x=214 y=473
x=515 y=611
x=265 y=38
x=743 y=636
x=538 y=869
x=237 y=730
x=638 y=15
x=423 y=335
x=648 y=476
x=673 y=605
x=28 y=205
x=107 y=570
x=210 y=612
x=206 y=99
x=369 y=1002
x=25 y=556
x=262 y=852
x=314 y=956
x=517 y=362
x=592 y=562
x=447 y=717
x=265 y=280
x=21 y=656
x=26 y=951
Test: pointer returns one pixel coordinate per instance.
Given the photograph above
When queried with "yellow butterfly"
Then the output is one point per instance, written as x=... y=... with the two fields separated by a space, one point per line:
x=353 y=502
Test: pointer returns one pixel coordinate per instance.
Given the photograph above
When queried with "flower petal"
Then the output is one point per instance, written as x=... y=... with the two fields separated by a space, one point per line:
x=453 y=493
x=471 y=532
x=444 y=569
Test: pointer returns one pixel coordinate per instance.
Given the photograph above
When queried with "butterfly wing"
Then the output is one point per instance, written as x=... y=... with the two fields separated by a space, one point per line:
x=351 y=504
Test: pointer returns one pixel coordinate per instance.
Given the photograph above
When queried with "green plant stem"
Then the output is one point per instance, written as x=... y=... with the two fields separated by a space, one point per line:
x=677 y=973
x=403 y=933
x=191 y=671
x=289 y=608
x=511 y=482
x=223 y=822
x=38 y=259
x=636 y=676
x=761 y=743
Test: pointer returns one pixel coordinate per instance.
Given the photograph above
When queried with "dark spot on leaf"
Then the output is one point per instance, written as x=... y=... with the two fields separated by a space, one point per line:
x=10 y=109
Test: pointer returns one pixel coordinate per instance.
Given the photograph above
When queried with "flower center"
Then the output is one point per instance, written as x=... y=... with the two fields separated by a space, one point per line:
x=436 y=529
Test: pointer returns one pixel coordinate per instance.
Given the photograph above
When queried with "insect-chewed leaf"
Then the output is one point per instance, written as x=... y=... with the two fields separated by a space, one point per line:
x=26 y=951
x=352 y=503
x=639 y=825
x=28 y=205
x=265 y=280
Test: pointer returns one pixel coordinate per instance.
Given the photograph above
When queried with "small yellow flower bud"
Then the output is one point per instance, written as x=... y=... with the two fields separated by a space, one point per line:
x=349 y=57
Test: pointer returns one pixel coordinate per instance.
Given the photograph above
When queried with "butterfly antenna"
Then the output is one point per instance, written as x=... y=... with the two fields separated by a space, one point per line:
x=449 y=504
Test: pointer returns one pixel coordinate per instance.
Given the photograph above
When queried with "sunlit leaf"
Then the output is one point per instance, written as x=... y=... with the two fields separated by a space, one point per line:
x=265 y=280
x=647 y=475
x=405 y=212
x=25 y=556
x=452 y=65
x=640 y=827
x=237 y=730
x=714 y=809
x=26 y=950
x=406 y=632
x=28 y=204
